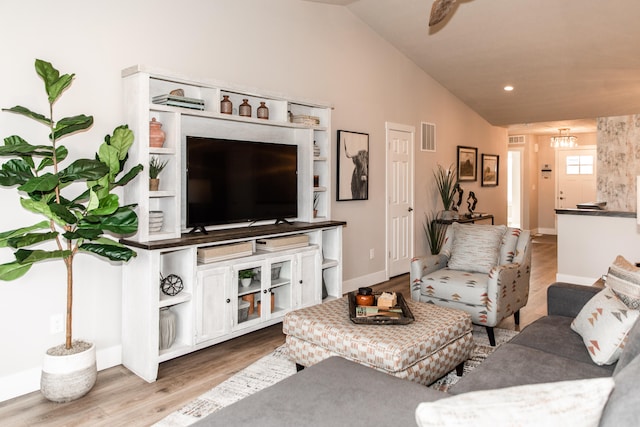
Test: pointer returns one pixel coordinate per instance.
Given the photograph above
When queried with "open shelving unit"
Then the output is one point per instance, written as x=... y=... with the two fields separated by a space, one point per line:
x=211 y=307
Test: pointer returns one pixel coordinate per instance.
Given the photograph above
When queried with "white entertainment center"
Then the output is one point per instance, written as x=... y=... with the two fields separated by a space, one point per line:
x=213 y=305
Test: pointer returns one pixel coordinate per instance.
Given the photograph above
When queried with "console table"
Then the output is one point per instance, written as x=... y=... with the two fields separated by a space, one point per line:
x=465 y=219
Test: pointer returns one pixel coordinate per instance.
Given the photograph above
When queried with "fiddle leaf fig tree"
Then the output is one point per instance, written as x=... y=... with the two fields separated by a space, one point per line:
x=75 y=199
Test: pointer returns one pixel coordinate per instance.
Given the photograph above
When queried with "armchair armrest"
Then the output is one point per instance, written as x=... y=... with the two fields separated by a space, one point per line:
x=567 y=299
x=421 y=266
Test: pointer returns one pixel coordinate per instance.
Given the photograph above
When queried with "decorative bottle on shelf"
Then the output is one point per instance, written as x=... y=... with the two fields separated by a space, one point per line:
x=245 y=108
x=263 y=111
x=226 y=106
x=156 y=134
x=167 y=328
x=316 y=150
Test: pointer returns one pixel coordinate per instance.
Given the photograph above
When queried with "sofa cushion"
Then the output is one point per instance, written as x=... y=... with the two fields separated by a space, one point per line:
x=624 y=279
x=603 y=323
x=455 y=285
x=577 y=403
x=622 y=408
x=475 y=247
x=508 y=246
x=514 y=364
x=334 y=392
x=545 y=333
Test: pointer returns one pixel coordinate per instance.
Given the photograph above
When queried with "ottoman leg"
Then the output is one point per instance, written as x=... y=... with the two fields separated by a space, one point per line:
x=460 y=369
x=299 y=367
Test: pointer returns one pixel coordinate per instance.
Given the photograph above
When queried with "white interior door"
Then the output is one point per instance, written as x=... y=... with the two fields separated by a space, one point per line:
x=400 y=141
x=576 y=176
x=514 y=188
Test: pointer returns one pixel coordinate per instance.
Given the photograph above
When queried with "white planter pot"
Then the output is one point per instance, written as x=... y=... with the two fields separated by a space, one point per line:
x=69 y=377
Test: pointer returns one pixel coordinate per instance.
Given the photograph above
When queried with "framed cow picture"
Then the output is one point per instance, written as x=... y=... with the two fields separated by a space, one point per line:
x=352 y=166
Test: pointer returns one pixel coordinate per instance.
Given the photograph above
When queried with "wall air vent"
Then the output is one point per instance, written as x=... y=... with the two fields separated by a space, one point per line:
x=428 y=137
x=516 y=139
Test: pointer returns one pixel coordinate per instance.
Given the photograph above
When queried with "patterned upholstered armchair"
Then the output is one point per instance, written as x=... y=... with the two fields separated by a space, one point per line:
x=481 y=269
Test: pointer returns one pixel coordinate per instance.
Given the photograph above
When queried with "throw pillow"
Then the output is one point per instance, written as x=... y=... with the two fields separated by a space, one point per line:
x=508 y=245
x=569 y=403
x=624 y=279
x=603 y=323
x=475 y=247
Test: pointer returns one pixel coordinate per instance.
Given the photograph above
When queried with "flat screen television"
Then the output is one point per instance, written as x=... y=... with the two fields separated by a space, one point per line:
x=230 y=181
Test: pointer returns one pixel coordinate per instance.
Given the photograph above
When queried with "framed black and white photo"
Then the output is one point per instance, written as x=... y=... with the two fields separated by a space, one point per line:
x=467 y=163
x=353 y=166
x=490 y=165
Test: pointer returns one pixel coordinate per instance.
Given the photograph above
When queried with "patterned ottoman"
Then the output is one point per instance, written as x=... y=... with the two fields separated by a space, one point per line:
x=438 y=341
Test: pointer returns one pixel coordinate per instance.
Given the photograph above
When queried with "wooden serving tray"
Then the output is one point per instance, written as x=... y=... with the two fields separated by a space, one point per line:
x=404 y=318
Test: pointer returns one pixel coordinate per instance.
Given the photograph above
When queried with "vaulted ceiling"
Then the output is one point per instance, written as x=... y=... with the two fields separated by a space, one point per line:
x=566 y=59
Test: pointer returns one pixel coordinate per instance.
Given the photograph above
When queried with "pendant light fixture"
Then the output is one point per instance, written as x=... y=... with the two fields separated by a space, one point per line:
x=564 y=139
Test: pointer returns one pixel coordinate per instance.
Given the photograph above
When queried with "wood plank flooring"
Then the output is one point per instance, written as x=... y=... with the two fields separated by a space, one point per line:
x=121 y=398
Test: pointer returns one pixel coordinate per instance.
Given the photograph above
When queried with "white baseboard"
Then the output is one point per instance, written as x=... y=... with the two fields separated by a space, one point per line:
x=578 y=280
x=28 y=381
x=368 y=280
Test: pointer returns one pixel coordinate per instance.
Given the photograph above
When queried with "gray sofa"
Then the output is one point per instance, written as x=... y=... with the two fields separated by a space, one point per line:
x=339 y=392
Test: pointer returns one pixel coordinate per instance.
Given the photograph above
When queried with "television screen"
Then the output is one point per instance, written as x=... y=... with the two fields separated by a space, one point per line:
x=232 y=181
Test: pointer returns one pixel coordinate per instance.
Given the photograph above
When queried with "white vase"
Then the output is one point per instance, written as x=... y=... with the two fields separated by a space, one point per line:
x=68 y=377
x=245 y=282
x=167 y=328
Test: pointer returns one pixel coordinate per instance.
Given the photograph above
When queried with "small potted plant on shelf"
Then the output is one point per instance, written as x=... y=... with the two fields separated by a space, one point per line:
x=246 y=276
x=75 y=220
x=155 y=167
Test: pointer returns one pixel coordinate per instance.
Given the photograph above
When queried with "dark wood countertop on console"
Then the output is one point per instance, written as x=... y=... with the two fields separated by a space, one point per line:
x=233 y=234
x=596 y=212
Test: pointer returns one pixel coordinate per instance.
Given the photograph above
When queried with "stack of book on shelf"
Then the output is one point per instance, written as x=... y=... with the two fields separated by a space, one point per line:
x=179 y=101
x=224 y=252
x=305 y=119
x=282 y=243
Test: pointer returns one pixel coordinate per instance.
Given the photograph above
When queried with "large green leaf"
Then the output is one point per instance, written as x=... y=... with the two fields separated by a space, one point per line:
x=109 y=156
x=112 y=252
x=72 y=124
x=13 y=270
x=121 y=140
x=123 y=221
x=31 y=239
x=18 y=109
x=84 y=169
x=62 y=211
x=128 y=176
x=42 y=207
x=83 y=233
x=42 y=225
x=43 y=183
x=108 y=205
x=54 y=83
x=16 y=146
x=26 y=256
x=15 y=172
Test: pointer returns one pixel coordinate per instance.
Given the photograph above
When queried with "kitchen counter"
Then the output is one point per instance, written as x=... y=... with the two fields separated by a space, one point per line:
x=596 y=212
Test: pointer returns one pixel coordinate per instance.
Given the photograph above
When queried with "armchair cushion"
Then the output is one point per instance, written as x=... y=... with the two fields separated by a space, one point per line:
x=508 y=246
x=456 y=285
x=603 y=323
x=475 y=247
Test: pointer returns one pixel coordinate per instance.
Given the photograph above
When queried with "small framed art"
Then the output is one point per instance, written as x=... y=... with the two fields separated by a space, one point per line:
x=467 y=163
x=490 y=168
x=353 y=166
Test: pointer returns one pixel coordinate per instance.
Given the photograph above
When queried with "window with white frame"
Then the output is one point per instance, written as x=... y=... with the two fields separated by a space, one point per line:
x=579 y=165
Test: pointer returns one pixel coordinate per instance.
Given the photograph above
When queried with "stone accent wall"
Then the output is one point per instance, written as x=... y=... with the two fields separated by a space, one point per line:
x=618 y=161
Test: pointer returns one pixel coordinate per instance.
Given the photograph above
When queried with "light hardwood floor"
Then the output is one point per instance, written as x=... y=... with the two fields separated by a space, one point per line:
x=121 y=398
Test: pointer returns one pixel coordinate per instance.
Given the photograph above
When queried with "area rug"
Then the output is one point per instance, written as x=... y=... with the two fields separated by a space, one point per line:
x=277 y=366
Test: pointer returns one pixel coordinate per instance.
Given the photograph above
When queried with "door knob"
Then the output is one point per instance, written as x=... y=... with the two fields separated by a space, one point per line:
x=228 y=300
x=410 y=209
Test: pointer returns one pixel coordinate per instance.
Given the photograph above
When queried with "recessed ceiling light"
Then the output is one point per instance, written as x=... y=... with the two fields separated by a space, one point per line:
x=508 y=88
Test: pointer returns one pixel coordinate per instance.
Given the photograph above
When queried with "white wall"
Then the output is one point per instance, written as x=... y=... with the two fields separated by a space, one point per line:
x=302 y=49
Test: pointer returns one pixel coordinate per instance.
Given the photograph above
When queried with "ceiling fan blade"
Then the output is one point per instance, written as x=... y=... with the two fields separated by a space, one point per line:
x=439 y=10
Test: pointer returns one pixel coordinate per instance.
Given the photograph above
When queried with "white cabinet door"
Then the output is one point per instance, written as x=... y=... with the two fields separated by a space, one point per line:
x=280 y=289
x=309 y=288
x=213 y=303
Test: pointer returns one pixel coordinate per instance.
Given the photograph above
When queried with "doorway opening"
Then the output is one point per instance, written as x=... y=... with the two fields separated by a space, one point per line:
x=514 y=187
